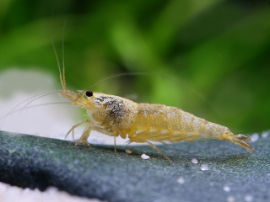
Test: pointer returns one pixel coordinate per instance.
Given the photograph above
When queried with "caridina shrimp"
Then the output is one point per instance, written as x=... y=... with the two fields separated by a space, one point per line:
x=142 y=122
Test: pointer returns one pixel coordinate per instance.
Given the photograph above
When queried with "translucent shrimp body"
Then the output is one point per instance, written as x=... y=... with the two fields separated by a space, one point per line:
x=143 y=122
x=146 y=123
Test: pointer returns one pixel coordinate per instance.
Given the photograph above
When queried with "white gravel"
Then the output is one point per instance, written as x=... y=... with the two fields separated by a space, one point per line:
x=12 y=193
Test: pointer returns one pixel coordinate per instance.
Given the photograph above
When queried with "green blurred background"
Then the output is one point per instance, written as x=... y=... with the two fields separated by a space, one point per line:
x=210 y=57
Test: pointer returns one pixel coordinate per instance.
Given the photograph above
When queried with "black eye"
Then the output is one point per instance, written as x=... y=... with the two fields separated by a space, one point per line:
x=89 y=93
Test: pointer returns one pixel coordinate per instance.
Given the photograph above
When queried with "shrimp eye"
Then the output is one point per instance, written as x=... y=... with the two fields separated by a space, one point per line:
x=89 y=93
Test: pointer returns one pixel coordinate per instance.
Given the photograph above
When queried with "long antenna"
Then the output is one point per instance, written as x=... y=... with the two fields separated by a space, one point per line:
x=58 y=65
x=61 y=70
x=63 y=54
x=118 y=75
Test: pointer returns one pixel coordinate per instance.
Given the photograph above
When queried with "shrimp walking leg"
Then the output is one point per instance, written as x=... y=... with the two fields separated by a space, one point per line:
x=158 y=150
x=114 y=141
x=83 y=139
x=73 y=127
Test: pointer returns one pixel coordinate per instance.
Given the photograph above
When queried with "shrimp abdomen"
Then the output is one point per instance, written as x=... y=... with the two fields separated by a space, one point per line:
x=162 y=123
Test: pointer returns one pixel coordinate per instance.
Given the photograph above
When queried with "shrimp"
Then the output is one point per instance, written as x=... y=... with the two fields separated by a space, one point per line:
x=143 y=122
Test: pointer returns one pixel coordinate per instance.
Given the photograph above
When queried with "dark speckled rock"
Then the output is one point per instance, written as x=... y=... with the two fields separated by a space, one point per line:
x=98 y=172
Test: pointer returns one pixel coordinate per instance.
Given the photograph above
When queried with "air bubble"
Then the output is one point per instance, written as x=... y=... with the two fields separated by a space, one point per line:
x=254 y=137
x=226 y=188
x=145 y=157
x=181 y=180
x=194 y=161
x=204 y=167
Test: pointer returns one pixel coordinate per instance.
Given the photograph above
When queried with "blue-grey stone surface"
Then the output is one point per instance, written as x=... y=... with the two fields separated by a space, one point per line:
x=98 y=172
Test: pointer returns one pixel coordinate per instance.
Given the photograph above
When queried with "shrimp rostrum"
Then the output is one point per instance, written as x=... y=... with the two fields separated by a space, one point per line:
x=143 y=122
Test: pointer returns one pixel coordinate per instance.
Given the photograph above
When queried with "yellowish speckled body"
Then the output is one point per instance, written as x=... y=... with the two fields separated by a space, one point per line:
x=142 y=122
